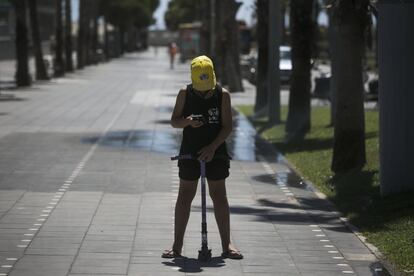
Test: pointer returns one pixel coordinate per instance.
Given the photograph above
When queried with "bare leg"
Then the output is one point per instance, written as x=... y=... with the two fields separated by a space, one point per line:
x=217 y=190
x=186 y=194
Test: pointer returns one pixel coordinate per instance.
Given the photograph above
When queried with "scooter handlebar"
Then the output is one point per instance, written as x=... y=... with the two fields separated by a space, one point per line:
x=189 y=156
x=184 y=156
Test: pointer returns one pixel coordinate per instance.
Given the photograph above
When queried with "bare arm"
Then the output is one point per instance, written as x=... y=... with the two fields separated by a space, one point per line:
x=207 y=153
x=177 y=119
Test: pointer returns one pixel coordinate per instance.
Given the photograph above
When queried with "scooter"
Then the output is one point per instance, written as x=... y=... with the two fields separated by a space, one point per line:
x=204 y=255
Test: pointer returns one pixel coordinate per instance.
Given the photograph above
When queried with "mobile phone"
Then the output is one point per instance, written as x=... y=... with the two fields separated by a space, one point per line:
x=199 y=118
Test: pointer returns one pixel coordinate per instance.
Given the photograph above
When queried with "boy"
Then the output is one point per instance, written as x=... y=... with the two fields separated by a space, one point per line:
x=203 y=137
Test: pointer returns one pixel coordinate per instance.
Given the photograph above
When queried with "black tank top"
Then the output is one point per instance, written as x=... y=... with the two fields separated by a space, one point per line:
x=195 y=139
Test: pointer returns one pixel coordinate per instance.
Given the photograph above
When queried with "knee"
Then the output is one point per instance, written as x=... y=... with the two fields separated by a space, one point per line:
x=186 y=194
x=218 y=197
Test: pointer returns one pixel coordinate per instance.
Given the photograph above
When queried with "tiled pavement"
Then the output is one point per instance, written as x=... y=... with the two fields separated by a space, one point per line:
x=87 y=188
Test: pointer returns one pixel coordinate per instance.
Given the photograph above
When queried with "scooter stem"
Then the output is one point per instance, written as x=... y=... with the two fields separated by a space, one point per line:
x=203 y=204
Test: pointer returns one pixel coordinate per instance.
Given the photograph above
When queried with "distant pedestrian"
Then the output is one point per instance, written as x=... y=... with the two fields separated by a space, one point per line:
x=203 y=111
x=172 y=51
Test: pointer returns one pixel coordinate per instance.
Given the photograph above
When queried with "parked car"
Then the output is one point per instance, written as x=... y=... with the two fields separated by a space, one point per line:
x=285 y=65
x=372 y=93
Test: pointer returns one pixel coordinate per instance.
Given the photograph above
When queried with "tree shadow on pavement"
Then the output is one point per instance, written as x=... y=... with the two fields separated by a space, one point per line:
x=318 y=211
x=10 y=98
x=192 y=265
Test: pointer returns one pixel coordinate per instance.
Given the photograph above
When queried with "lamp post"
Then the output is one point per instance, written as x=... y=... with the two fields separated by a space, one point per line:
x=396 y=98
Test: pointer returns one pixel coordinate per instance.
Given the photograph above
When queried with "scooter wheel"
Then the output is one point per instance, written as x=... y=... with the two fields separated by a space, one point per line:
x=204 y=255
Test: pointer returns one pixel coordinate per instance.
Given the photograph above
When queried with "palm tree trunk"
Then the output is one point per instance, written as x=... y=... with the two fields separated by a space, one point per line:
x=333 y=40
x=81 y=43
x=349 y=132
x=59 y=65
x=95 y=37
x=94 y=32
x=262 y=7
x=41 y=72
x=298 y=121
x=88 y=40
x=229 y=42
x=106 y=39
x=122 y=40
x=68 y=35
x=205 y=32
x=22 y=44
x=283 y=38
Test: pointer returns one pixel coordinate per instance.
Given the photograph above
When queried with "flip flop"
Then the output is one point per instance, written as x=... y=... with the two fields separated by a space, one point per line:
x=232 y=254
x=170 y=253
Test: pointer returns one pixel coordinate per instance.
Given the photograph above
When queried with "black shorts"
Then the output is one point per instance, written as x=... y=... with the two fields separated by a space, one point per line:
x=216 y=169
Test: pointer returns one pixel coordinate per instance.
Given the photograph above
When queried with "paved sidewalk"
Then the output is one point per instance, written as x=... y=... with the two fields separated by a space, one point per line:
x=87 y=188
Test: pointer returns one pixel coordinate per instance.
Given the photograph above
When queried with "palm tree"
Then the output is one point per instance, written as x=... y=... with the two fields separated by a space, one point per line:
x=301 y=26
x=350 y=19
x=68 y=36
x=41 y=72
x=262 y=7
x=22 y=44
x=59 y=65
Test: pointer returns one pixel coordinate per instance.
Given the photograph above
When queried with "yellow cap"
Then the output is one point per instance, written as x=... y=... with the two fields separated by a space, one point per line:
x=202 y=73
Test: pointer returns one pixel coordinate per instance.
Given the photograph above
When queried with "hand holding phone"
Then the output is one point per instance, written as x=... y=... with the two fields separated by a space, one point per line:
x=196 y=120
